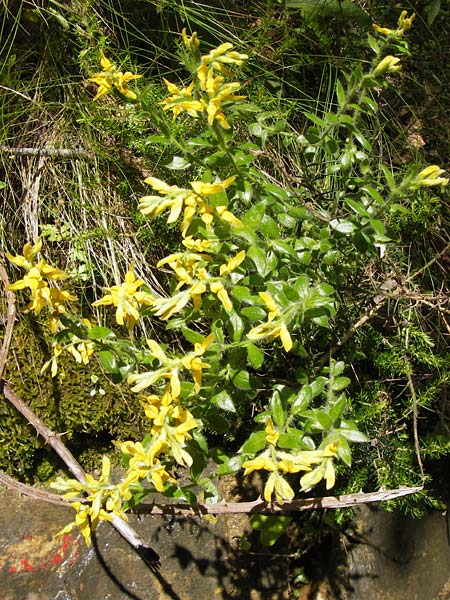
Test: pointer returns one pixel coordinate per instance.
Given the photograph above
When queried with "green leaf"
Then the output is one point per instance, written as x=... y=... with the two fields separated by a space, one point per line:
x=344 y=451
x=237 y=325
x=232 y=465
x=338 y=407
x=255 y=356
x=350 y=431
x=256 y=442
x=342 y=226
x=322 y=321
x=241 y=379
x=269 y=228
x=286 y=220
x=291 y=441
x=358 y=207
x=216 y=422
x=341 y=383
x=432 y=11
x=302 y=400
x=254 y=313
x=283 y=247
x=211 y=493
x=277 y=409
x=194 y=337
x=270 y=528
x=178 y=163
x=340 y=93
x=223 y=400
x=108 y=360
x=317 y=386
x=98 y=333
x=242 y=293
x=258 y=257
x=315 y=119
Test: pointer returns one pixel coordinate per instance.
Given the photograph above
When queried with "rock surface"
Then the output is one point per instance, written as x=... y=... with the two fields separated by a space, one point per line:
x=388 y=557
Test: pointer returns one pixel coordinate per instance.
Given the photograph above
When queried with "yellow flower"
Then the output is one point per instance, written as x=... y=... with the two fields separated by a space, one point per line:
x=182 y=100
x=276 y=461
x=387 y=65
x=228 y=217
x=29 y=252
x=174 y=198
x=404 y=23
x=197 y=244
x=430 y=176
x=270 y=303
x=208 y=189
x=261 y=462
x=276 y=483
x=218 y=288
x=221 y=55
x=82 y=351
x=272 y=434
x=164 y=308
x=384 y=30
x=111 y=77
x=127 y=299
x=232 y=264
x=272 y=331
x=190 y=42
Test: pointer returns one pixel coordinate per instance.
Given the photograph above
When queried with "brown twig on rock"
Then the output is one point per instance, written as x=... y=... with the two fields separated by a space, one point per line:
x=222 y=508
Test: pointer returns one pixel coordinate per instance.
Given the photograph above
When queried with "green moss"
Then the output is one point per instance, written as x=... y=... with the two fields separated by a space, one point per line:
x=88 y=414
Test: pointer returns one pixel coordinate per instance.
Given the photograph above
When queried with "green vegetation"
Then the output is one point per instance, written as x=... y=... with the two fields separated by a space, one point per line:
x=300 y=322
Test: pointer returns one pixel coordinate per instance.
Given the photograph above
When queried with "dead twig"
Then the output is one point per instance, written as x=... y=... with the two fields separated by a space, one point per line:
x=222 y=508
x=53 y=152
x=10 y=318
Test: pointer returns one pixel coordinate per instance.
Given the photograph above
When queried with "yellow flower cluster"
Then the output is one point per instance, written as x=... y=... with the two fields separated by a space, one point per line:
x=273 y=328
x=190 y=270
x=404 y=23
x=194 y=201
x=104 y=498
x=127 y=298
x=42 y=295
x=110 y=77
x=209 y=91
x=431 y=176
x=276 y=462
x=171 y=367
x=171 y=424
x=81 y=350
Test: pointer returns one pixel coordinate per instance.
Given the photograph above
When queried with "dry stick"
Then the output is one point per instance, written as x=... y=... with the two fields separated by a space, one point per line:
x=36 y=493
x=10 y=318
x=222 y=508
x=53 y=152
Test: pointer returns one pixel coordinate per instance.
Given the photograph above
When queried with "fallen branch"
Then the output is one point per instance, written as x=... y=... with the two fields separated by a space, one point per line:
x=222 y=508
x=10 y=318
x=260 y=506
x=54 y=152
